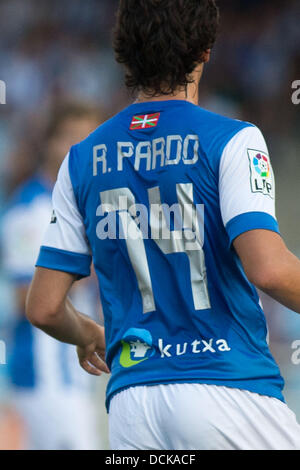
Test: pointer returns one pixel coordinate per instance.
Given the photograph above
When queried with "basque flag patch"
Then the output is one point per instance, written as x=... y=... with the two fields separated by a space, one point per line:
x=144 y=121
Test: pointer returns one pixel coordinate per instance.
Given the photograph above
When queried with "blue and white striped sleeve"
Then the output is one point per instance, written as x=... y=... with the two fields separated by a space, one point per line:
x=65 y=246
x=246 y=185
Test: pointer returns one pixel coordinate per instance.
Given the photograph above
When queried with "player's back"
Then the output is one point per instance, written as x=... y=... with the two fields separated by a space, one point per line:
x=163 y=189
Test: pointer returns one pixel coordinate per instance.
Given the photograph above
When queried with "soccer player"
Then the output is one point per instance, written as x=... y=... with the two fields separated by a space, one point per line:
x=175 y=205
x=48 y=388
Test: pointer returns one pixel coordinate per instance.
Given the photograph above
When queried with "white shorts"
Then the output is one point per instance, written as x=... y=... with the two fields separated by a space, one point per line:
x=200 y=417
x=59 y=420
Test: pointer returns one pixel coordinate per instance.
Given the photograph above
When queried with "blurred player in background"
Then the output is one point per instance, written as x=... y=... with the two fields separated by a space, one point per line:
x=50 y=392
x=185 y=334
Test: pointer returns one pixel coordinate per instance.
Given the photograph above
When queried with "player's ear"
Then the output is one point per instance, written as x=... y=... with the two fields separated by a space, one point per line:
x=206 y=56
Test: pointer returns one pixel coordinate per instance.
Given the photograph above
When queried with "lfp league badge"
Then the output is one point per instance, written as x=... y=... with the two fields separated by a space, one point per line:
x=261 y=173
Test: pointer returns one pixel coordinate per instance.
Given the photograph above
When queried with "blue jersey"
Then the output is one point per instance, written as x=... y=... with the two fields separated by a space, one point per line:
x=156 y=196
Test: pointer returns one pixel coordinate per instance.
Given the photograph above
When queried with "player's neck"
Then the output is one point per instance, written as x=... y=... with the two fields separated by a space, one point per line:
x=191 y=96
x=190 y=93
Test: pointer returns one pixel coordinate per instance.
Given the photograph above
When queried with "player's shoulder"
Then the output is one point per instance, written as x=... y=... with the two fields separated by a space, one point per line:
x=78 y=159
x=217 y=123
x=216 y=132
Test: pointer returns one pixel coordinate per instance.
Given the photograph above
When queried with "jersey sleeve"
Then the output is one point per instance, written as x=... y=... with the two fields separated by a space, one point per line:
x=65 y=245
x=246 y=185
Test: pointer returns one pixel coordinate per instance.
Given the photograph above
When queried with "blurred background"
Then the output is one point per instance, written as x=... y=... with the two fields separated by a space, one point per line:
x=62 y=82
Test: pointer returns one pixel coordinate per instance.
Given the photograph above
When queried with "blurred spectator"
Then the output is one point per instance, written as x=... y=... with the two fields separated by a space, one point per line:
x=48 y=389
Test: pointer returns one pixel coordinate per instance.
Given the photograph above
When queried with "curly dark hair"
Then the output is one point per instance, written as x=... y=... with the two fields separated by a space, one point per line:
x=160 y=42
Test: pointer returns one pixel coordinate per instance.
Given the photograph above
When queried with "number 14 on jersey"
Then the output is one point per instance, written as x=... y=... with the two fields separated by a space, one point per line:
x=186 y=237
